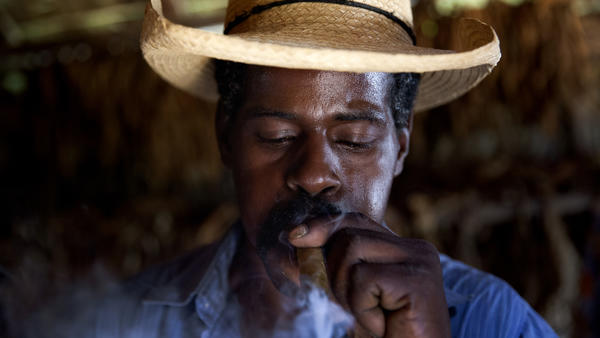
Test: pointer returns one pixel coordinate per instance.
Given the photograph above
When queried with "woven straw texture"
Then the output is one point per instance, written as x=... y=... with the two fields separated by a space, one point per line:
x=325 y=26
x=401 y=9
x=319 y=36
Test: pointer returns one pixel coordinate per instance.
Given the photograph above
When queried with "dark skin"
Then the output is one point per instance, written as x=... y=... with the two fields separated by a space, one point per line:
x=330 y=135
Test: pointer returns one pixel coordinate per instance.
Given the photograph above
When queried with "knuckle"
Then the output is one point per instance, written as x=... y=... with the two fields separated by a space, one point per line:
x=359 y=274
x=424 y=248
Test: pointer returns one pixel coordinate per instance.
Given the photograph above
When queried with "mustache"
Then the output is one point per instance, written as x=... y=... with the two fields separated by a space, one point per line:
x=284 y=216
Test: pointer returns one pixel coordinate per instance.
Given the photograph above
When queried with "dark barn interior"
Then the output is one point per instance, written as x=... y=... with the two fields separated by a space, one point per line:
x=104 y=166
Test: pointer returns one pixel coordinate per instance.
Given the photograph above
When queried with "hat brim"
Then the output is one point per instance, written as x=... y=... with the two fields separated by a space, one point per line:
x=182 y=55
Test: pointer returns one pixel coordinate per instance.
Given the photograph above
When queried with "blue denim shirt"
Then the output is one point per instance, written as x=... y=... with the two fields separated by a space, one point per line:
x=190 y=297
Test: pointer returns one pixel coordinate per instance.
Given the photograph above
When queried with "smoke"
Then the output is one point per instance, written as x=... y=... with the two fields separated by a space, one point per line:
x=320 y=317
x=74 y=308
x=32 y=306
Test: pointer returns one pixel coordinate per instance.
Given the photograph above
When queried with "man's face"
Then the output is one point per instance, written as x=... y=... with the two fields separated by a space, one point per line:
x=324 y=134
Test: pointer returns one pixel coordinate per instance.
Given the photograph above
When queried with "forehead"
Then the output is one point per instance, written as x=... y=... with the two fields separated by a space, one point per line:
x=288 y=87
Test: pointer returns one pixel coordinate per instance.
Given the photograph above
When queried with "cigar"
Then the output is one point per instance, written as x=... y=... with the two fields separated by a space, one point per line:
x=312 y=267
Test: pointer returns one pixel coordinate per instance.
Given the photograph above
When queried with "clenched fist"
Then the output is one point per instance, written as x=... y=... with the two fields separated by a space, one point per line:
x=393 y=286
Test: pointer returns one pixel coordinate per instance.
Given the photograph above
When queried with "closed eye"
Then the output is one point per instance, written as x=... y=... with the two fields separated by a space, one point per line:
x=277 y=141
x=355 y=145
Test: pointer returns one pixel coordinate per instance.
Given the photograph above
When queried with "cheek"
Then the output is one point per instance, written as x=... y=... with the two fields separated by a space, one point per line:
x=370 y=183
x=379 y=193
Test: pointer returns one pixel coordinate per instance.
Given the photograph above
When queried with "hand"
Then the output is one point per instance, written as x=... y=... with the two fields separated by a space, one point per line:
x=393 y=286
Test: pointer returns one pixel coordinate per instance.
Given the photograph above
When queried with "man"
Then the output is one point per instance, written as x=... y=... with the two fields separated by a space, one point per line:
x=314 y=118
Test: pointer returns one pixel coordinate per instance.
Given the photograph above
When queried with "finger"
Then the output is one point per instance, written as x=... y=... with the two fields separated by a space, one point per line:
x=376 y=289
x=364 y=305
x=351 y=246
x=314 y=233
x=409 y=295
x=387 y=286
x=371 y=322
x=430 y=321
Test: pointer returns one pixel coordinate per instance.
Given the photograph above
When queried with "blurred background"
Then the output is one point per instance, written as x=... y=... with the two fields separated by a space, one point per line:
x=104 y=164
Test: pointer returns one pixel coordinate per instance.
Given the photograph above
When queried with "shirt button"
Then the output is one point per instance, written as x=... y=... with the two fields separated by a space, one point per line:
x=452 y=311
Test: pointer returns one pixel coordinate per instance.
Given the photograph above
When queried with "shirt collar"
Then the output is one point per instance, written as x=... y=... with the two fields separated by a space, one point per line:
x=213 y=290
x=203 y=275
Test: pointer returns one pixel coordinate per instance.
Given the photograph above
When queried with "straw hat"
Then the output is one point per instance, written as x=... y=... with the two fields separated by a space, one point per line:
x=338 y=35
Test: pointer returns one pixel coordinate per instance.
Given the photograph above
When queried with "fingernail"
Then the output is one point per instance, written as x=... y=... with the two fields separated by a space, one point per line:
x=299 y=232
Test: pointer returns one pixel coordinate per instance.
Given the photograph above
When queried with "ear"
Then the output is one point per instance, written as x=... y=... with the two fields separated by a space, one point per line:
x=404 y=146
x=222 y=128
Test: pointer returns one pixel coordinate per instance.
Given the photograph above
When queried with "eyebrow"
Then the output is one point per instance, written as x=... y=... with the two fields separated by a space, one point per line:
x=370 y=116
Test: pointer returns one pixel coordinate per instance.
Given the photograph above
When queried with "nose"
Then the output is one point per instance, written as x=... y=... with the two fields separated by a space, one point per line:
x=314 y=169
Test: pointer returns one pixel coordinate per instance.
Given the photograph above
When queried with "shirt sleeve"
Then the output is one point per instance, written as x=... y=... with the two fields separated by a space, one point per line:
x=490 y=307
x=500 y=312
